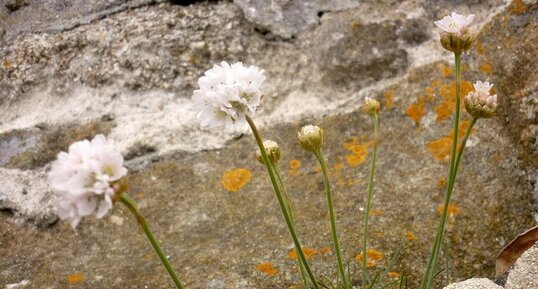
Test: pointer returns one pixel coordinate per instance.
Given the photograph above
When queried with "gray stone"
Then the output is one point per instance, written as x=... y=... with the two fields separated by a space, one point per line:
x=286 y=18
x=349 y=51
x=524 y=274
x=475 y=283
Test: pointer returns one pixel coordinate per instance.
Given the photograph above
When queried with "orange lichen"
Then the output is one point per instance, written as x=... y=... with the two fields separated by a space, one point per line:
x=338 y=167
x=294 y=167
x=75 y=278
x=359 y=152
x=295 y=164
x=416 y=111
x=374 y=256
x=267 y=268
x=518 y=7
x=325 y=250
x=486 y=68
x=236 y=179
x=410 y=235
x=308 y=253
x=441 y=182
x=6 y=64
x=445 y=70
x=393 y=274
x=442 y=147
x=447 y=92
x=453 y=210
x=479 y=47
x=388 y=102
x=376 y=212
x=436 y=83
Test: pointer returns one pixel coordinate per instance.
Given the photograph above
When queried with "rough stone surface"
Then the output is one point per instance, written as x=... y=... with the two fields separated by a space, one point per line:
x=130 y=72
x=475 y=283
x=288 y=17
x=524 y=274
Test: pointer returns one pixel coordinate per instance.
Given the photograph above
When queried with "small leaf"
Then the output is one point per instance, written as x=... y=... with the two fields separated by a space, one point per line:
x=514 y=249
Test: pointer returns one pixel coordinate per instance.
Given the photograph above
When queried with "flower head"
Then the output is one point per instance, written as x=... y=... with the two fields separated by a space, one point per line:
x=272 y=149
x=371 y=105
x=227 y=94
x=455 y=23
x=311 y=138
x=456 y=36
x=480 y=103
x=85 y=179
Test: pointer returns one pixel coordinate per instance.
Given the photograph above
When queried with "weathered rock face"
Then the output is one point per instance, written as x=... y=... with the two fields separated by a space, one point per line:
x=478 y=283
x=130 y=75
x=524 y=273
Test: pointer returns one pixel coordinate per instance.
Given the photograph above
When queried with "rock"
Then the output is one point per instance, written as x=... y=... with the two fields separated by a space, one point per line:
x=289 y=17
x=475 y=283
x=524 y=274
x=132 y=73
x=26 y=195
x=14 y=5
x=349 y=51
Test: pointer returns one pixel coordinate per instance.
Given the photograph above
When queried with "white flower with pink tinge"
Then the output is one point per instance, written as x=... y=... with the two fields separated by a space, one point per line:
x=83 y=178
x=227 y=94
x=455 y=23
x=480 y=103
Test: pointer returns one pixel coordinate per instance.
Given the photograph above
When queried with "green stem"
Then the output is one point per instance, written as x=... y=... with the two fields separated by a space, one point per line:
x=369 y=201
x=290 y=212
x=131 y=205
x=281 y=202
x=322 y=162
x=454 y=162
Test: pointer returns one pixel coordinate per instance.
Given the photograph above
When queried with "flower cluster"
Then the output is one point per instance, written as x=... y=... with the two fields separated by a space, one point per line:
x=85 y=179
x=480 y=103
x=227 y=94
x=456 y=36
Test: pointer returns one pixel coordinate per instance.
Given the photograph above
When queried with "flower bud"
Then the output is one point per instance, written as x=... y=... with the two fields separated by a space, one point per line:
x=273 y=152
x=371 y=106
x=479 y=103
x=311 y=138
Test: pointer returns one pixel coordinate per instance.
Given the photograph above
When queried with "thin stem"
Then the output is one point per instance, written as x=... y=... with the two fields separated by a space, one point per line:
x=290 y=212
x=131 y=205
x=369 y=201
x=463 y=143
x=434 y=257
x=322 y=162
x=281 y=202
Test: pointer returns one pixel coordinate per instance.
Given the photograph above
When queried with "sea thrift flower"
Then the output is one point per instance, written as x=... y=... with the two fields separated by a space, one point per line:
x=311 y=138
x=480 y=103
x=227 y=94
x=371 y=105
x=272 y=149
x=85 y=179
x=456 y=36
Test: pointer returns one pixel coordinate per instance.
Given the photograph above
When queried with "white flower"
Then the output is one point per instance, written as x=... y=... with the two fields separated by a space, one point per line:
x=455 y=23
x=83 y=178
x=227 y=94
x=482 y=87
x=480 y=103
